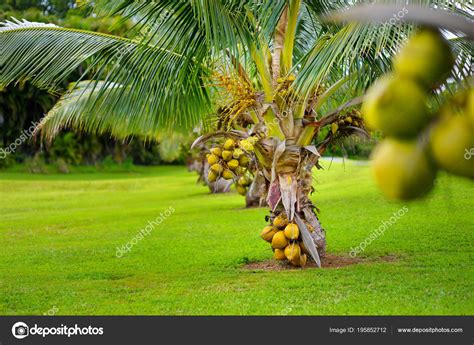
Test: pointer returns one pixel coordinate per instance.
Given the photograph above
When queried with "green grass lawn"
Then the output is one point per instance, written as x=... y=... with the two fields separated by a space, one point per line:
x=59 y=234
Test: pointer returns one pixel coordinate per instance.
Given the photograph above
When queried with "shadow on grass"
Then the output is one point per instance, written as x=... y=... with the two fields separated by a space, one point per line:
x=328 y=262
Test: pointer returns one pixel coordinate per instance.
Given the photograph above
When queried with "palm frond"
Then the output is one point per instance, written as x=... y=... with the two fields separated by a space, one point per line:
x=160 y=86
x=222 y=24
x=45 y=54
x=22 y=24
x=362 y=51
x=73 y=112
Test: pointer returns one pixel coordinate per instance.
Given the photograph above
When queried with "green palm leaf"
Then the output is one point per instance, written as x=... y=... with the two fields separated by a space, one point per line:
x=162 y=88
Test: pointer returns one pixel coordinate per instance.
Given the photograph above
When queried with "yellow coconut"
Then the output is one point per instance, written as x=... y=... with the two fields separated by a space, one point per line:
x=212 y=159
x=292 y=251
x=279 y=240
x=402 y=169
x=279 y=254
x=245 y=181
x=212 y=176
x=227 y=174
x=237 y=153
x=280 y=221
x=301 y=261
x=233 y=164
x=217 y=168
x=452 y=145
x=226 y=155
x=229 y=144
x=292 y=232
x=268 y=233
x=426 y=58
x=397 y=107
x=244 y=161
x=241 y=189
x=216 y=151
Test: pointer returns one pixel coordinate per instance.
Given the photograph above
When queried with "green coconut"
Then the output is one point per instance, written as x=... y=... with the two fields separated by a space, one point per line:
x=426 y=58
x=452 y=145
x=402 y=169
x=397 y=107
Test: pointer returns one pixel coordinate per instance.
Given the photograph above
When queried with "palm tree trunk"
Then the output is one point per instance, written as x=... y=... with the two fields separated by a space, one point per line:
x=289 y=193
x=306 y=208
x=257 y=192
x=318 y=234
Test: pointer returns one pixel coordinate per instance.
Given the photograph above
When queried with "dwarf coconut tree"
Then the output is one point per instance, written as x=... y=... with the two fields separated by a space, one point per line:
x=272 y=82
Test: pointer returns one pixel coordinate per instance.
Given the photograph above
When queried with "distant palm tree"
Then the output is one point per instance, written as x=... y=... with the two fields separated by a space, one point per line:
x=273 y=70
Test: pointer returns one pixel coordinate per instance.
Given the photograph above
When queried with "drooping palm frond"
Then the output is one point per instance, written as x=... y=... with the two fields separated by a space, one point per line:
x=69 y=113
x=72 y=111
x=45 y=54
x=162 y=88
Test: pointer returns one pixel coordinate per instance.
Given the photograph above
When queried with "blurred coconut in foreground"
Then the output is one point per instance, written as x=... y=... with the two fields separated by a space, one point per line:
x=402 y=169
x=405 y=164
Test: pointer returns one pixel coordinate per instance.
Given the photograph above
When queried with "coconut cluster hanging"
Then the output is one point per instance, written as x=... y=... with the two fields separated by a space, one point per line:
x=231 y=162
x=420 y=141
x=286 y=240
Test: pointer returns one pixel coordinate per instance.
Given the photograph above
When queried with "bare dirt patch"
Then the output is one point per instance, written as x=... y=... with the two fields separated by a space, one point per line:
x=329 y=261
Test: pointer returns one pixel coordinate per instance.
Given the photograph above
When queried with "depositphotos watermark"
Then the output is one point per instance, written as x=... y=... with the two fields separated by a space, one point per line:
x=143 y=35
x=379 y=231
x=21 y=330
x=26 y=135
x=396 y=17
x=469 y=153
x=53 y=311
x=146 y=231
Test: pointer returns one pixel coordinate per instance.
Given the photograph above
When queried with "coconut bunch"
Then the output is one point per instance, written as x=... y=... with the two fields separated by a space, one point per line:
x=235 y=95
x=286 y=240
x=231 y=162
x=284 y=86
x=418 y=142
x=344 y=124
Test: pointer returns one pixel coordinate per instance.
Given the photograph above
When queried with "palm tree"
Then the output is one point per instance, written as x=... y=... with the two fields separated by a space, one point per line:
x=274 y=71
